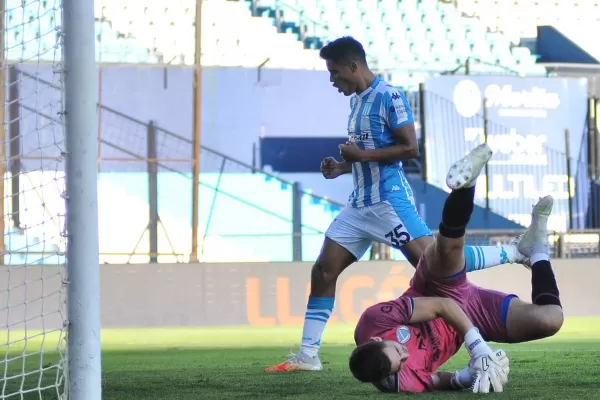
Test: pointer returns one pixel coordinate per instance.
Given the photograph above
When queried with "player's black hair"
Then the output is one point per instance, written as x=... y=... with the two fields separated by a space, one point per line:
x=344 y=50
x=368 y=362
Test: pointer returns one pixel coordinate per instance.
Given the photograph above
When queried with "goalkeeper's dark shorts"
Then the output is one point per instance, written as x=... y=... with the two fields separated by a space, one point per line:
x=486 y=308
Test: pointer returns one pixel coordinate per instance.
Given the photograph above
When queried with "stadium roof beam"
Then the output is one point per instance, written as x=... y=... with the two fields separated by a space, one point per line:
x=589 y=71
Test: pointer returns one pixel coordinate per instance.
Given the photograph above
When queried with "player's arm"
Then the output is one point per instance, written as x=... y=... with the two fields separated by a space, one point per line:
x=451 y=381
x=442 y=381
x=414 y=310
x=345 y=167
x=398 y=117
x=406 y=147
x=331 y=168
x=458 y=380
x=429 y=308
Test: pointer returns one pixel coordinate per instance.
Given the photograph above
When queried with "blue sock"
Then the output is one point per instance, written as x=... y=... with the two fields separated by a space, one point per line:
x=318 y=312
x=482 y=257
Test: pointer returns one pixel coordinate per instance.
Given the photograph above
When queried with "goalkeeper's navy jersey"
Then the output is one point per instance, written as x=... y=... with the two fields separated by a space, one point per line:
x=430 y=344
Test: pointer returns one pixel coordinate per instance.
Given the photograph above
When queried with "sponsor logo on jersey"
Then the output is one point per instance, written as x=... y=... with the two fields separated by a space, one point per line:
x=357 y=138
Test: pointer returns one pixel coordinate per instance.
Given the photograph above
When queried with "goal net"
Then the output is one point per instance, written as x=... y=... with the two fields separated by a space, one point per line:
x=32 y=256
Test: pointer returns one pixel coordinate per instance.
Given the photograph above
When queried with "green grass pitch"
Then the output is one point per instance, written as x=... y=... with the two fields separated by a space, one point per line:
x=228 y=363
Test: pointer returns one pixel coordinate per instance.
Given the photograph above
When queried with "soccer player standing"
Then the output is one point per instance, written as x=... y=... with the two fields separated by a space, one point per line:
x=381 y=207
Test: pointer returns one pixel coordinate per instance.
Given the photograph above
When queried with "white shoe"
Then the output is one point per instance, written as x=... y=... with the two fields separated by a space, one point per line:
x=536 y=235
x=297 y=362
x=520 y=258
x=465 y=171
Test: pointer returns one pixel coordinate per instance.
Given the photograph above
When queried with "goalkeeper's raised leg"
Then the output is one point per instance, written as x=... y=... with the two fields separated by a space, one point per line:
x=544 y=316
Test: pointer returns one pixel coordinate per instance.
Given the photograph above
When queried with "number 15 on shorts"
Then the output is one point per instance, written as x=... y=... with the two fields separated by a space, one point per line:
x=398 y=236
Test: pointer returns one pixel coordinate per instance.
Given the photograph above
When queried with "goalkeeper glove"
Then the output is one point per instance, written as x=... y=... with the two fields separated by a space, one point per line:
x=486 y=366
x=493 y=369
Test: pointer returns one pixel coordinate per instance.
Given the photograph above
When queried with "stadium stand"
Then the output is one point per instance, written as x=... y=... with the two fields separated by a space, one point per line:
x=520 y=19
x=416 y=36
x=410 y=38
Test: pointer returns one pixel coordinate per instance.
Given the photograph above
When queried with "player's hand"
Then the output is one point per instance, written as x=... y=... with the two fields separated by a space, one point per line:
x=331 y=169
x=350 y=152
x=489 y=370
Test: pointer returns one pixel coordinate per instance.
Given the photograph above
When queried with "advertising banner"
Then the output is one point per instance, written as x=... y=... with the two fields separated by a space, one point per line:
x=531 y=125
x=258 y=294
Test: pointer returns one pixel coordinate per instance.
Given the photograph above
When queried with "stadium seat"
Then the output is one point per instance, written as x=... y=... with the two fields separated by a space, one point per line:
x=519 y=19
x=423 y=35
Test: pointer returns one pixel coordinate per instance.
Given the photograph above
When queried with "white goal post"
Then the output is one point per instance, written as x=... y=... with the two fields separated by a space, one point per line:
x=83 y=299
x=49 y=271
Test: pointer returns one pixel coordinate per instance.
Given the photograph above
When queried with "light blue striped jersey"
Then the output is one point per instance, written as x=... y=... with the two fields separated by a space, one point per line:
x=374 y=113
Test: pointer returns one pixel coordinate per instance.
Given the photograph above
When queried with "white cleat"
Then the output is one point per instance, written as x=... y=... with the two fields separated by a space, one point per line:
x=537 y=233
x=297 y=362
x=520 y=258
x=465 y=171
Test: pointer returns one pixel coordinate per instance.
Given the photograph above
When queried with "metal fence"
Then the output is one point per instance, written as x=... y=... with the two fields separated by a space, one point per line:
x=131 y=145
x=537 y=171
x=147 y=148
x=153 y=169
x=143 y=165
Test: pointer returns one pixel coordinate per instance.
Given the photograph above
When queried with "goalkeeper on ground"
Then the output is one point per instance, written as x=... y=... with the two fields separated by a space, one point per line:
x=402 y=343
